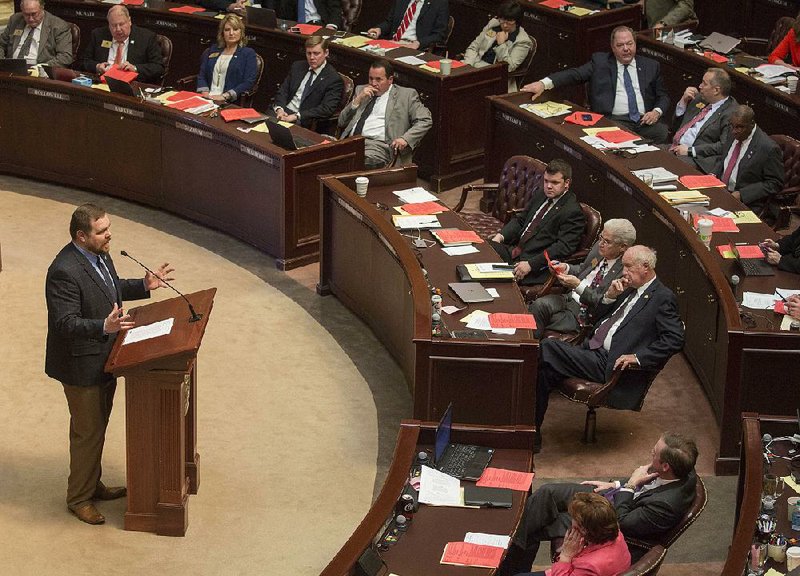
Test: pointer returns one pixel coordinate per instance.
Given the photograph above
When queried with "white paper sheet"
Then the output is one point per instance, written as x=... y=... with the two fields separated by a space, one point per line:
x=493 y=292
x=148 y=331
x=439 y=489
x=460 y=250
x=758 y=301
x=415 y=195
x=497 y=540
x=412 y=60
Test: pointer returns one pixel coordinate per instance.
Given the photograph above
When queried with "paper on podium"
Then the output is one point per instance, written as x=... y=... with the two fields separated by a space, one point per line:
x=149 y=331
x=696 y=181
x=580 y=11
x=499 y=540
x=758 y=301
x=466 y=554
x=439 y=489
x=415 y=222
x=459 y=250
x=422 y=208
x=488 y=272
x=547 y=109
x=411 y=60
x=414 y=195
x=502 y=478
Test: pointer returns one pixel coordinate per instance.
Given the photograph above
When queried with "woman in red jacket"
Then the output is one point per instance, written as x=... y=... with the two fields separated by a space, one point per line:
x=789 y=46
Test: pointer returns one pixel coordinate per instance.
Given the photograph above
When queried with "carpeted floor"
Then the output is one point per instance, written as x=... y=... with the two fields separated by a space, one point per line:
x=298 y=410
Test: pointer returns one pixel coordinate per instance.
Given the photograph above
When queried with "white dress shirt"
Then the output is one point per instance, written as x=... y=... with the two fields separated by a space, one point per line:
x=375 y=124
x=312 y=15
x=219 y=74
x=742 y=152
x=632 y=300
x=33 y=53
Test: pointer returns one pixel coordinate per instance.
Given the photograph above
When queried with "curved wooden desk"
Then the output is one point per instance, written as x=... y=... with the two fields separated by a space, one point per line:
x=420 y=548
x=374 y=270
x=199 y=168
x=742 y=366
x=450 y=154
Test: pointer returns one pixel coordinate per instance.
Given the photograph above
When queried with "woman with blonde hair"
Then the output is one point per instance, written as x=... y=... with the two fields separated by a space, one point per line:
x=229 y=68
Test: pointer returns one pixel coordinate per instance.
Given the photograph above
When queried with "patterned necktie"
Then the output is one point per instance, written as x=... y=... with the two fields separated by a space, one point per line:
x=732 y=164
x=26 y=46
x=307 y=89
x=685 y=128
x=301 y=11
x=602 y=331
x=598 y=278
x=407 y=18
x=633 y=108
x=531 y=228
x=367 y=111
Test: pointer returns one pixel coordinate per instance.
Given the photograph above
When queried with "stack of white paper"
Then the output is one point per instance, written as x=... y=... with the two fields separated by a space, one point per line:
x=415 y=195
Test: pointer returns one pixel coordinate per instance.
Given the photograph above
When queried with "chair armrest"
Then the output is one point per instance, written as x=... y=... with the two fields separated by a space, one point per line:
x=647 y=564
x=187 y=80
x=513 y=212
x=488 y=187
x=786 y=193
x=548 y=286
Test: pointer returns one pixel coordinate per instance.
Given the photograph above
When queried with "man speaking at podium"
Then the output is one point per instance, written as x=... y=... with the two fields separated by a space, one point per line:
x=84 y=314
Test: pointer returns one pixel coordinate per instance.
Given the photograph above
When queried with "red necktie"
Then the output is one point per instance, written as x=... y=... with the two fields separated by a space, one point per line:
x=407 y=18
x=685 y=128
x=118 y=55
x=732 y=164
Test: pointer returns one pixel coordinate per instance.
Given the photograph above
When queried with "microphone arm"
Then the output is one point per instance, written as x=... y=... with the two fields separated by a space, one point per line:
x=195 y=316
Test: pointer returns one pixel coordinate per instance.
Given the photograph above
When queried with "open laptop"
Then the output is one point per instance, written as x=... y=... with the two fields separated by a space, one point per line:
x=719 y=43
x=14 y=65
x=752 y=266
x=462 y=461
x=283 y=137
x=264 y=17
x=119 y=87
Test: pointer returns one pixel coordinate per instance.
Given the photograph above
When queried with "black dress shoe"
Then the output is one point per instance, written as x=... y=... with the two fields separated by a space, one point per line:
x=103 y=492
x=89 y=514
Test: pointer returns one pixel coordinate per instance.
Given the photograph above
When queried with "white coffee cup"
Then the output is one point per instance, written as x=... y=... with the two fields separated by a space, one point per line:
x=791 y=504
x=445 y=66
x=791 y=83
x=792 y=558
x=704 y=227
x=362 y=183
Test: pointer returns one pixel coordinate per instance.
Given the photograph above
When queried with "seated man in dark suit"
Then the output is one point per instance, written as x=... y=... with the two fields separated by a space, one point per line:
x=326 y=13
x=129 y=47
x=702 y=120
x=638 y=325
x=626 y=87
x=648 y=505
x=553 y=222
x=751 y=163
x=587 y=282
x=418 y=24
x=312 y=90
x=37 y=36
x=785 y=253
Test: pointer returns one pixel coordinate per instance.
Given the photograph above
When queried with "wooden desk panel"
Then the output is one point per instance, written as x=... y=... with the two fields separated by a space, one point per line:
x=196 y=167
x=741 y=367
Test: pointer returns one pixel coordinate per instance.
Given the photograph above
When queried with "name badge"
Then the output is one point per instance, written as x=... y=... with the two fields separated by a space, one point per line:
x=106 y=44
x=18 y=32
x=491 y=33
x=700 y=105
x=214 y=55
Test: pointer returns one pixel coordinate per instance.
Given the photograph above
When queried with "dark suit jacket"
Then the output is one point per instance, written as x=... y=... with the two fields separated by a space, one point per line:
x=330 y=11
x=652 y=329
x=789 y=248
x=559 y=232
x=760 y=172
x=591 y=297
x=431 y=24
x=143 y=52
x=55 y=40
x=708 y=142
x=323 y=98
x=78 y=302
x=242 y=70
x=601 y=73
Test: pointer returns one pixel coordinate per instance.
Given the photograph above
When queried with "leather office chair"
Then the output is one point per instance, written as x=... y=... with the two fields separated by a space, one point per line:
x=783 y=204
x=75 y=31
x=327 y=125
x=246 y=97
x=522 y=70
x=649 y=564
x=440 y=48
x=765 y=46
x=351 y=10
x=166 y=54
x=521 y=175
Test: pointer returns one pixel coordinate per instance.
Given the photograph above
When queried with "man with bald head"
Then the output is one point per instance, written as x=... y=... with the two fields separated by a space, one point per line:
x=751 y=164
x=638 y=325
x=129 y=47
x=37 y=36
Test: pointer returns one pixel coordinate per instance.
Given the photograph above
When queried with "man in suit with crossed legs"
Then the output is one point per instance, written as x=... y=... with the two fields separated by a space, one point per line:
x=84 y=315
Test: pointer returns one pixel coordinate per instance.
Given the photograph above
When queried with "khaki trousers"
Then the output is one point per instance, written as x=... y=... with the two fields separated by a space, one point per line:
x=89 y=410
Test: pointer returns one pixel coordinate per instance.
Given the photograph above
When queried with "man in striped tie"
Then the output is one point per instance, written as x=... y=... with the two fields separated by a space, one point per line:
x=417 y=24
x=36 y=36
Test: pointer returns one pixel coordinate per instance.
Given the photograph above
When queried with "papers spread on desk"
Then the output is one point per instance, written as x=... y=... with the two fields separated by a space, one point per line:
x=467 y=554
x=580 y=11
x=411 y=60
x=759 y=301
x=439 y=489
x=414 y=195
x=421 y=208
x=506 y=320
x=148 y=331
x=659 y=174
x=681 y=197
x=479 y=320
x=352 y=41
x=195 y=105
x=489 y=271
x=774 y=70
x=745 y=251
x=459 y=250
x=415 y=222
x=499 y=540
x=454 y=237
x=720 y=224
x=502 y=478
x=547 y=109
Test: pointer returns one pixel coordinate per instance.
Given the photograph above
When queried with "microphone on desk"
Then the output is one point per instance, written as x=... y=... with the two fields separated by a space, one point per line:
x=735 y=285
x=195 y=316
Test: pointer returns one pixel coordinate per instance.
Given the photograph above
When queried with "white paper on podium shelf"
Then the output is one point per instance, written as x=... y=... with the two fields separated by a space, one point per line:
x=148 y=331
x=460 y=250
x=415 y=195
x=785 y=293
x=506 y=331
x=493 y=292
x=411 y=60
x=498 y=540
x=479 y=322
x=758 y=301
x=439 y=489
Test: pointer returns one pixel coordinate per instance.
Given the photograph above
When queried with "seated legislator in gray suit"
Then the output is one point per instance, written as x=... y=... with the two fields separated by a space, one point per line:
x=661 y=13
x=84 y=315
x=37 y=36
x=638 y=325
x=622 y=85
x=553 y=221
x=751 y=163
x=587 y=281
x=702 y=120
x=649 y=504
x=390 y=117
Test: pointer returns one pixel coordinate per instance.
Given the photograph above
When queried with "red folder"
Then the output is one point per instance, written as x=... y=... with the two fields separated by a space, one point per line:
x=721 y=225
x=182 y=95
x=423 y=208
x=307 y=29
x=121 y=75
x=577 y=118
x=555 y=4
x=231 y=114
x=467 y=554
x=505 y=320
x=452 y=236
x=133 y=2
x=188 y=103
x=617 y=136
x=385 y=44
x=187 y=9
x=715 y=57
x=701 y=181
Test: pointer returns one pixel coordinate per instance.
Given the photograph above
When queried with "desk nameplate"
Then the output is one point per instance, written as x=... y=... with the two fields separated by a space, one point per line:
x=48 y=94
x=194 y=130
x=123 y=110
x=266 y=158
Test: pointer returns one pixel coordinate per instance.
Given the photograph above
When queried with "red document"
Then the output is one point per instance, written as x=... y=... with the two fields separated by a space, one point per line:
x=307 y=29
x=133 y=2
x=555 y=4
x=505 y=320
x=715 y=57
x=750 y=251
x=502 y=478
x=231 y=114
x=187 y=9
x=435 y=64
x=617 y=136
x=188 y=103
x=701 y=181
x=182 y=95
x=385 y=44
x=466 y=554
x=422 y=208
x=458 y=236
x=121 y=75
x=577 y=118
x=721 y=225
x=780 y=307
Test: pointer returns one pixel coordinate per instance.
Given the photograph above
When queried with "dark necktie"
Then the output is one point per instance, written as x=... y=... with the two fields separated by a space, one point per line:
x=598 y=278
x=602 y=331
x=107 y=277
x=307 y=89
x=633 y=108
x=530 y=228
x=26 y=46
x=737 y=149
x=301 y=11
x=367 y=111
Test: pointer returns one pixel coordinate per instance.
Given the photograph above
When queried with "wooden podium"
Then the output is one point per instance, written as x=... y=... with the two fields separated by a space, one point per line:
x=161 y=416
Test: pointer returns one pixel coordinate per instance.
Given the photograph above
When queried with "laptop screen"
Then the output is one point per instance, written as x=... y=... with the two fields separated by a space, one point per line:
x=443 y=434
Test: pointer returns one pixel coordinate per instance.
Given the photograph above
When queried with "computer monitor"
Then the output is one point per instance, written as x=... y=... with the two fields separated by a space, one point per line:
x=443 y=434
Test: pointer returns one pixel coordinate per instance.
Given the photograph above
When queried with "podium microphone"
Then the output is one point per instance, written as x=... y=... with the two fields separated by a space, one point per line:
x=195 y=316
x=735 y=285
